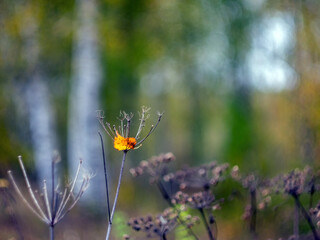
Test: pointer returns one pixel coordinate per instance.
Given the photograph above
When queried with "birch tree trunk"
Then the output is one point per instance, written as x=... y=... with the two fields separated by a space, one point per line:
x=36 y=99
x=83 y=140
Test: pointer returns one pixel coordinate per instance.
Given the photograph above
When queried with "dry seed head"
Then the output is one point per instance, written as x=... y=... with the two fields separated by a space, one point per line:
x=122 y=141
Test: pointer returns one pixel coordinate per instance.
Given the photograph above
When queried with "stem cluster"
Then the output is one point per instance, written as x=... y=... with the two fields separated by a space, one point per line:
x=61 y=202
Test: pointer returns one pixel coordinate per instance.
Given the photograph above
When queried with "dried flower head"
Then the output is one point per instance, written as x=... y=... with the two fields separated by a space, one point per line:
x=199 y=177
x=161 y=225
x=251 y=182
x=297 y=182
x=120 y=135
x=158 y=226
x=259 y=193
x=198 y=200
x=62 y=201
x=156 y=167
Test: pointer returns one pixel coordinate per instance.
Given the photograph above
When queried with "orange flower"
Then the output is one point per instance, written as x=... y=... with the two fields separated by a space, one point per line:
x=122 y=144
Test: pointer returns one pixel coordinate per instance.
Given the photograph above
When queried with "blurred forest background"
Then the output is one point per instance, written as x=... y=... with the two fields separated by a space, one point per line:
x=238 y=80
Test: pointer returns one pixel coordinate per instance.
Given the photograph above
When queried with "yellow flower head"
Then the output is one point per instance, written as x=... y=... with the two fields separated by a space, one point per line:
x=122 y=144
x=121 y=139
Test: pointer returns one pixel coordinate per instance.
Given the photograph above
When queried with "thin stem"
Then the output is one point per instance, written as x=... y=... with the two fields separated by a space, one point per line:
x=24 y=199
x=142 y=121
x=253 y=212
x=51 y=232
x=115 y=130
x=83 y=187
x=311 y=200
x=164 y=237
x=312 y=191
x=46 y=200
x=30 y=190
x=204 y=219
x=53 y=195
x=296 y=221
x=112 y=133
x=306 y=216
x=151 y=130
x=117 y=194
x=128 y=128
x=121 y=126
x=100 y=119
x=164 y=193
x=63 y=204
x=105 y=174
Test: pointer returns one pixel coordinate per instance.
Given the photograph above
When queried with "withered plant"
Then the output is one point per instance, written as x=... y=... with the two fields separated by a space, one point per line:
x=259 y=191
x=189 y=179
x=294 y=184
x=52 y=211
x=157 y=168
x=161 y=225
x=123 y=142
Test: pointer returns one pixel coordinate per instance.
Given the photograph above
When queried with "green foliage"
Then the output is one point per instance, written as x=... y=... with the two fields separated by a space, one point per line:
x=120 y=224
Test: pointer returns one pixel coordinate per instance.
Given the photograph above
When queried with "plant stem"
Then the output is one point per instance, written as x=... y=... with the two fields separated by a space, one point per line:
x=52 y=203
x=51 y=232
x=311 y=200
x=164 y=237
x=53 y=192
x=164 y=193
x=296 y=221
x=166 y=196
x=253 y=212
x=306 y=216
x=211 y=237
x=105 y=174
x=117 y=194
x=312 y=191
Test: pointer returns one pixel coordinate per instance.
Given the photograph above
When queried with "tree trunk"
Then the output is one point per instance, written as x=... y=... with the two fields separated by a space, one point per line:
x=83 y=139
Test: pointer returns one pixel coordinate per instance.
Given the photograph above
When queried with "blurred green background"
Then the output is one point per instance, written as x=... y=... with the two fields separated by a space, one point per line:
x=238 y=80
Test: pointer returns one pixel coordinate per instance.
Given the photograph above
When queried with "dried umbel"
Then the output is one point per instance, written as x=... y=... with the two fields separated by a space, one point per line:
x=299 y=181
x=123 y=142
x=258 y=195
x=121 y=134
x=51 y=212
x=199 y=200
x=295 y=184
x=199 y=177
x=252 y=181
x=161 y=225
x=156 y=167
x=261 y=188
